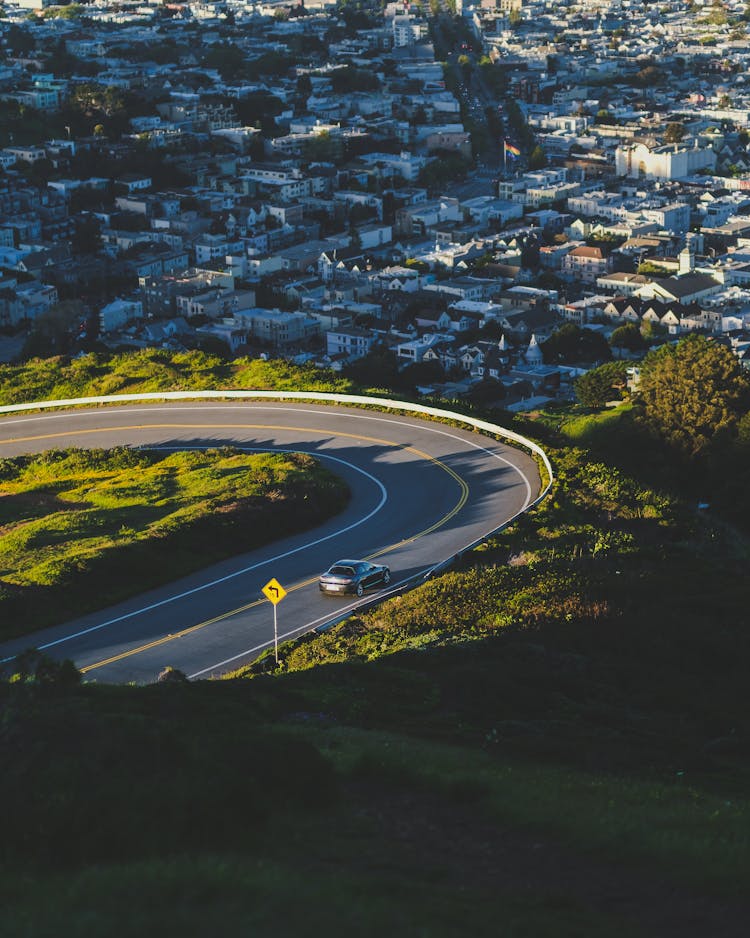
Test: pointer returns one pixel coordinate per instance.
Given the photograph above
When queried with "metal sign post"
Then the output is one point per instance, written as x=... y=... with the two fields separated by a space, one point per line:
x=274 y=593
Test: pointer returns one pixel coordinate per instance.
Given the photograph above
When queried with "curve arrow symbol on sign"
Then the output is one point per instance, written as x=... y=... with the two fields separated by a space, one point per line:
x=274 y=591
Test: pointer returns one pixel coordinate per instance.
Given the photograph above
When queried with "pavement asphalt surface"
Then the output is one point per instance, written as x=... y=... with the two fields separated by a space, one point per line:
x=421 y=492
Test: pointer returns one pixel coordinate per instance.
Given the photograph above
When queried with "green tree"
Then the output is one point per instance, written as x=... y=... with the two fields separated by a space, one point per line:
x=603 y=384
x=743 y=431
x=378 y=369
x=53 y=329
x=19 y=40
x=717 y=16
x=422 y=373
x=487 y=391
x=87 y=237
x=571 y=344
x=33 y=667
x=627 y=337
x=270 y=63
x=538 y=158
x=649 y=269
x=260 y=108
x=516 y=121
x=345 y=80
x=322 y=148
x=674 y=132
x=649 y=76
x=652 y=331
x=304 y=84
x=691 y=395
x=446 y=168
x=73 y=11
x=227 y=58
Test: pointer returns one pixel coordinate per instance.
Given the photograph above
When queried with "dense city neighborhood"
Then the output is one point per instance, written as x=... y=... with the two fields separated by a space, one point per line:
x=420 y=196
x=374 y=514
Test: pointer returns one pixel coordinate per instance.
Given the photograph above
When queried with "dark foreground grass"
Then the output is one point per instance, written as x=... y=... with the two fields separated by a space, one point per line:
x=606 y=631
x=552 y=739
x=129 y=520
x=187 y=808
x=281 y=897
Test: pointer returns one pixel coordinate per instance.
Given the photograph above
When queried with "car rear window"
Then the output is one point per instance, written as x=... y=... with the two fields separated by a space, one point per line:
x=342 y=571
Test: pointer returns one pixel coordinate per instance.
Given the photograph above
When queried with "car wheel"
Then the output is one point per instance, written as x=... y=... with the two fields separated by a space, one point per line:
x=387 y=577
x=360 y=589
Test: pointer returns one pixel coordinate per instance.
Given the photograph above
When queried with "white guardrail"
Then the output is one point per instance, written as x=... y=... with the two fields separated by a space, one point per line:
x=383 y=403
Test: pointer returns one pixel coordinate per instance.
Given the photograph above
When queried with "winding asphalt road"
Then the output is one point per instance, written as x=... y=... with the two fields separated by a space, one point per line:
x=421 y=492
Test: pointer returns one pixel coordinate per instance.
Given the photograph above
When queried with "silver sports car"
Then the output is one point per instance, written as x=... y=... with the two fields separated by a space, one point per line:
x=354 y=576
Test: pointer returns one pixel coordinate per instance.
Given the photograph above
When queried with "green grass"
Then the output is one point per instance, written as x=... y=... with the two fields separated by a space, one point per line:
x=153 y=370
x=701 y=837
x=605 y=630
x=128 y=517
x=551 y=739
x=192 y=801
x=188 y=895
x=582 y=430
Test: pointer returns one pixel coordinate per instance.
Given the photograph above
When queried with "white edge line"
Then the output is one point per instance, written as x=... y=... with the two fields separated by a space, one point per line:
x=236 y=573
x=307 y=627
x=400 y=423
x=385 y=403
x=394 y=588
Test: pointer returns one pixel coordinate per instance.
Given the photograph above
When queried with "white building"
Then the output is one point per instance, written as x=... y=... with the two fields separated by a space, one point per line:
x=278 y=329
x=407 y=30
x=118 y=313
x=349 y=341
x=662 y=162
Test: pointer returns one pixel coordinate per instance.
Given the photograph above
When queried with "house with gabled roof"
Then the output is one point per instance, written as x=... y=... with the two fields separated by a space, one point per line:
x=401 y=279
x=623 y=309
x=520 y=323
x=665 y=315
x=683 y=289
x=339 y=259
x=622 y=283
x=414 y=350
x=442 y=352
x=435 y=319
x=35 y=263
x=586 y=263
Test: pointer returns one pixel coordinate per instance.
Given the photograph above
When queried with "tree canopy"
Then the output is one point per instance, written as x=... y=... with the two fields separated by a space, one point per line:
x=571 y=344
x=674 y=132
x=692 y=395
x=538 y=158
x=628 y=337
x=446 y=168
x=603 y=384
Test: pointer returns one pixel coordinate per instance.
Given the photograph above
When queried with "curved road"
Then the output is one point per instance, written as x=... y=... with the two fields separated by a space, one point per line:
x=421 y=492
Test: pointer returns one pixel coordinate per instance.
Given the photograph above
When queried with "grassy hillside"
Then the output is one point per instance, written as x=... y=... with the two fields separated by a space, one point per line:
x=172 y=807
x=153 y=370
x=551 y=740
x=129 y=520
x=605 y=629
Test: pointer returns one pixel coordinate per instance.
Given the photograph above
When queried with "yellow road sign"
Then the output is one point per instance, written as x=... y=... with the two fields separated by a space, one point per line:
x=274 y=591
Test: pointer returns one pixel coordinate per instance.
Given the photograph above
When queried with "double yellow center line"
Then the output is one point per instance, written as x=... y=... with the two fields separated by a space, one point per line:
x=464 y=488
